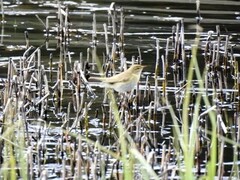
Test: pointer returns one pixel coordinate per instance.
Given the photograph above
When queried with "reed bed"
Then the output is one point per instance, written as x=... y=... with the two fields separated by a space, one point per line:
x=164 y=129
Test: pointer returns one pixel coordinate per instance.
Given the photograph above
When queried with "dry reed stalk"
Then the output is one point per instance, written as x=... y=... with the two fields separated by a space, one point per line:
x=86 y=118
x=218 y=45
x=94 y=41
x=2 y=33
x=80 y=113
x=183 y=51
x=66 y=26
x=121 y=36
x=94 y=168
x=213 y=63
x=220 y=159
x=2 y=11
x=64 y=171
x=79 y=159
x=232 y=62
x=163 y=159
x=163 y=121
x=103 y=165
x=26 y=39
x=138 y=98
x=78 y=86
x=68 y=115
x=51 y=66
x=113 y=13
x=156 y=94
x=151 y=158
x=145 y=97
x=104 y=117
x=225 y=57
x=238 y=134
x=106 y=40
x=235 y=167
x=123 y=59
x=164 y=80
x=175 y=56
x=30 y=163
x=207 y=50
x=7 y=85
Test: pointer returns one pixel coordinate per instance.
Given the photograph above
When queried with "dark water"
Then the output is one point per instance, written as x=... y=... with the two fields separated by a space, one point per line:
x=145 y=21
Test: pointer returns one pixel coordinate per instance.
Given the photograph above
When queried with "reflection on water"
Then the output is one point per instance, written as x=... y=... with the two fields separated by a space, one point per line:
x=49 y=49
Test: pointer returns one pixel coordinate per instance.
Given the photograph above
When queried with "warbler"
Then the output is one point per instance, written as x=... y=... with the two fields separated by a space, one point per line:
x=123 y=82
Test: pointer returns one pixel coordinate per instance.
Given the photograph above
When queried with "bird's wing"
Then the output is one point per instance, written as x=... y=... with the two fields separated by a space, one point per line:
x=122 y=77
x=116 y=78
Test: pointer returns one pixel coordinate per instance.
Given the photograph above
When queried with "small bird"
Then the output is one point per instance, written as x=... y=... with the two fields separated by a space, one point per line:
x=125 y=81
